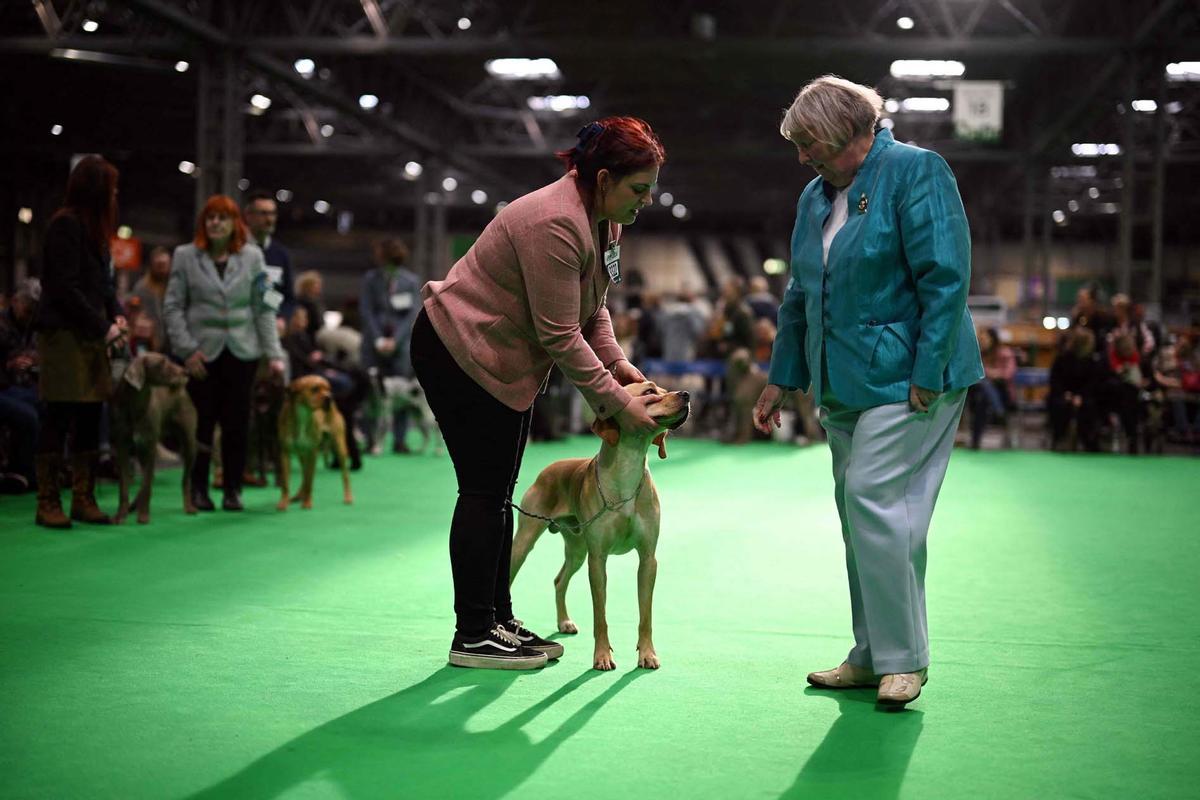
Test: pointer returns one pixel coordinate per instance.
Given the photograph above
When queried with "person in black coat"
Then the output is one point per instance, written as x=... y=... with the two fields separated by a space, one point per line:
x=79 y=320
x=1076 y=378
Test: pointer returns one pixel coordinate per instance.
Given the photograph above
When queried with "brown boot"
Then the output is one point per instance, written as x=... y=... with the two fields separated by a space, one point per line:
x=49 y=506
x=83 y=485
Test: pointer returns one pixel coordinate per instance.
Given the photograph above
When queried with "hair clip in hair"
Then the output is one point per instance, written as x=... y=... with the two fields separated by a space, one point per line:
x=862 y=203
x=588 y=132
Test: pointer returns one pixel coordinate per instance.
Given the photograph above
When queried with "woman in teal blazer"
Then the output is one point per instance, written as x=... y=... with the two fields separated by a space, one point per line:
x=875 y=322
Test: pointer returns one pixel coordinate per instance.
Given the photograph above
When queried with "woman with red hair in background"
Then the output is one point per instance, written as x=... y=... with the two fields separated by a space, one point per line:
x=527 y=296
x=77 y=320
x=220 y=314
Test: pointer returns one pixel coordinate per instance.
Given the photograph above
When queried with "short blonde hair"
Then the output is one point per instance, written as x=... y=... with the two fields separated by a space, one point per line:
x=307 y=280
x=832 y=111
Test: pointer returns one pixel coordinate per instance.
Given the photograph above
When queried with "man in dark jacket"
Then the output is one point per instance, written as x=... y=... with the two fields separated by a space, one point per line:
x=262 y=213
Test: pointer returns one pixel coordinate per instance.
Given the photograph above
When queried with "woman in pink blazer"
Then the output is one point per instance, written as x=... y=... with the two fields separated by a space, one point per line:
x=528 y=295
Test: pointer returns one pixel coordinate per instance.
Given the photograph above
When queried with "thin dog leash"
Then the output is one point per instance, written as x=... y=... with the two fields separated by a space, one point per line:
x=555 y=526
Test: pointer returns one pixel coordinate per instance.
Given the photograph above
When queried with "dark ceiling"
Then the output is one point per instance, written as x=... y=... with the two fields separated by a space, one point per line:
x=712 y=77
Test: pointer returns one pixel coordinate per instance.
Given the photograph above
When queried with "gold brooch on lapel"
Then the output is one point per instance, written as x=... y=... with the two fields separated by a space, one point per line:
x=862 y=203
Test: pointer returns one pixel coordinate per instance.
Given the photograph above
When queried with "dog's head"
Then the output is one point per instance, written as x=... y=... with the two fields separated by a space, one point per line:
x=154 y=369
x=406 y=393
x=671 y=411
x=311 y=390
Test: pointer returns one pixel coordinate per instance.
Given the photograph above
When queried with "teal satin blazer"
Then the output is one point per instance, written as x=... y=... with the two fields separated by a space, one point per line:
x=891 y=307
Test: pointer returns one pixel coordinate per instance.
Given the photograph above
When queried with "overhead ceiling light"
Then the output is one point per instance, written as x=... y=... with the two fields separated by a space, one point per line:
x=679 y=211
x=284 y=195
x=25 y=215
x=891 y=105
x=1184 y=71
x=327 y=130
x=1145 y=106
x=1110 y=208
x=887 y=123
x=243 y=184
x=413 y=170
x=367 y=101
x=464 y=23
x=479 y=197
x=523 y=68
x=1093 y=192
x=1059 y=216
x=124 y=232
x=559 y=102
x=1091 y=149
x=1072 y=206
x=1049 y=323
x=55 y=130
x=305 y=66
x=910 y=68
x=905 y=23
x=501 y=206
x=260 y=101
x=774 y=266
x=925 y=104
x=90 y=25
x=449 y=184
x=667 y=199
x=187 y=167
x=321 y=207
x=181 y=66
x=1174 y=107
x=1063 y=323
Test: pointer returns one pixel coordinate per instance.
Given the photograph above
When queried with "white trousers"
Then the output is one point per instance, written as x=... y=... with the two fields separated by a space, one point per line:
x=888 y=466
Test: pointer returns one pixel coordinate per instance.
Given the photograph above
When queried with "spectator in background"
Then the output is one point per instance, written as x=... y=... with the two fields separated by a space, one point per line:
x=732 y=327
x=262 y=214
x=1076 y=378
x=1124 y=323
x=18 y=381
x=681 y=323
x=764 y=339
x=309 y=291
x=993 y=396
x=78 y=321
x=221 y=324
x=763 y=304
x=1177 y=371
x=648 y=342
x=1088 y=313
x=151 y=288
x=388 y=304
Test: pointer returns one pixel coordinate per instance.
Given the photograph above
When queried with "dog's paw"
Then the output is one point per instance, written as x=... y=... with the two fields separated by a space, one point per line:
x=143 y=518
x=282 y=505
x=306 y=503
x=648 y=659
x=603 y=660
x=567 y=626
x=348 y=500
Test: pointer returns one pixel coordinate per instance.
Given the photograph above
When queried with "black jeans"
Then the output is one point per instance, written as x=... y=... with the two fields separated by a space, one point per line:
x=223 y=397
x=486 y=440
x=79 y=422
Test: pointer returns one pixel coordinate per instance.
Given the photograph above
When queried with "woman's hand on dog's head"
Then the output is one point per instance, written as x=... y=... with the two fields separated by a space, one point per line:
x=634 y=419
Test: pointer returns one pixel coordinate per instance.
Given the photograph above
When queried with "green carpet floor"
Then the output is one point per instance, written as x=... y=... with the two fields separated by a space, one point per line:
x=302 y=655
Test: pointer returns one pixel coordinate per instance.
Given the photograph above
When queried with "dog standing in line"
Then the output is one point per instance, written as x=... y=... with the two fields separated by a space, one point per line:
x=406 y=393
x=612 y=497
x=151 y=398
x=308 y=425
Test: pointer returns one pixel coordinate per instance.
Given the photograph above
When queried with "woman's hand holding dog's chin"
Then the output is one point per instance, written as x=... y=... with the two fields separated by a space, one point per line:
x=634 y=419
x=766 y=410
x=627 y=373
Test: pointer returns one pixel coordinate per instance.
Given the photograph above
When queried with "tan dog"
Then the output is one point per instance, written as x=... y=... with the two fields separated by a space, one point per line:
x=618 y=514
x=308 y=424
x=151 y=396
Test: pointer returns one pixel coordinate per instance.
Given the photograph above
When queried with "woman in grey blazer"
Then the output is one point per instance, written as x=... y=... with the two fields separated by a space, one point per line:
x=220 y=315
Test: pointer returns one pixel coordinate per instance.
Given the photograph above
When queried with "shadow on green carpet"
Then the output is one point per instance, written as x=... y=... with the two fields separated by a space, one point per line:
x=417 y=743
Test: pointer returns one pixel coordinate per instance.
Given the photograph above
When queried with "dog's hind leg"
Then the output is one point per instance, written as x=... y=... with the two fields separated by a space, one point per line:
x=187 y=451
x=123 y=478
x=574 y=554
x=529 y=530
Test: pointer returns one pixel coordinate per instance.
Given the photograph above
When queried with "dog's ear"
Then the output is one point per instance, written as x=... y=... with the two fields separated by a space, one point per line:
x=608 y=430
x=135 y=373
x=661 y=441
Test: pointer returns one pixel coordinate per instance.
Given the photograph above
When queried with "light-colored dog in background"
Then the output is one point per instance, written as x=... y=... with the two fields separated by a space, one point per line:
x=567 y=492
x=309 y=424
x=406 y=393
x=151 y=399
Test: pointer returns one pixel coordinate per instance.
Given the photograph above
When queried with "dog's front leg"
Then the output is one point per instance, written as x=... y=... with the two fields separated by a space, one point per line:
x=647 y=572
x=285 y=468
x=142 y=502
x=602 y=659
x=123 y=478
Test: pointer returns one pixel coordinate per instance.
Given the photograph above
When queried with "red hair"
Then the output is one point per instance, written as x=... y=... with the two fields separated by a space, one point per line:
x=91 y=198
x=221 y=204
x=621 y=145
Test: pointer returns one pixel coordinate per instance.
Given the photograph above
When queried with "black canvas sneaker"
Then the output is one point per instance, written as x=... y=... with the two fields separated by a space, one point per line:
x=496 y=649
x=531 y=640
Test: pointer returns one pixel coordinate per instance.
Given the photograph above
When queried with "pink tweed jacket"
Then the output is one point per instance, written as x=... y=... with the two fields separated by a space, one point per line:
x=528 y=294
